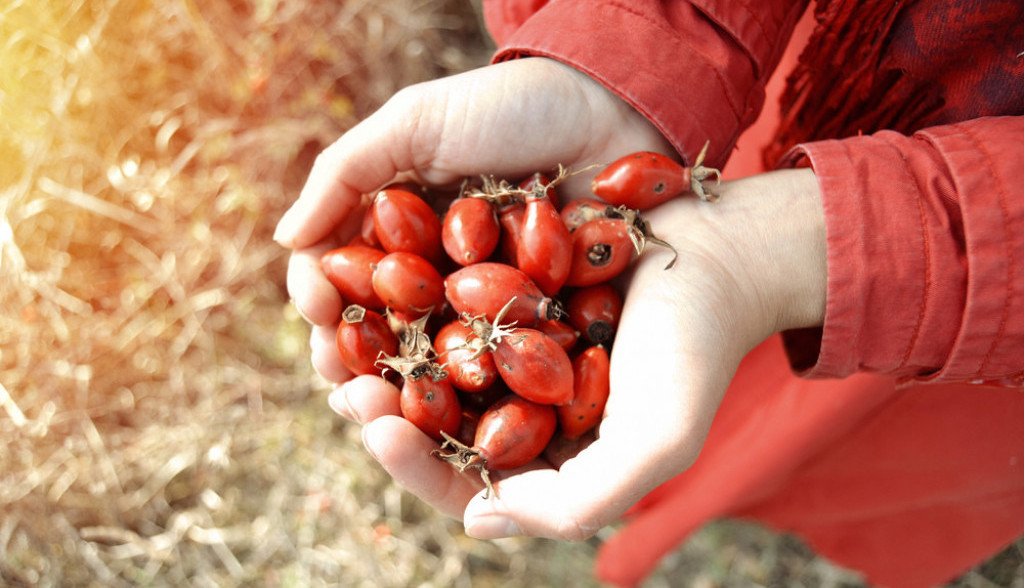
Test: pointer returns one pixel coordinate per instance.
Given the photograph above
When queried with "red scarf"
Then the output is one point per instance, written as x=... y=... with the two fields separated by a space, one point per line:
x=902 y=65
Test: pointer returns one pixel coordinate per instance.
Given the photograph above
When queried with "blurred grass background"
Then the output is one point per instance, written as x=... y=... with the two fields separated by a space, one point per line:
x=160 y=422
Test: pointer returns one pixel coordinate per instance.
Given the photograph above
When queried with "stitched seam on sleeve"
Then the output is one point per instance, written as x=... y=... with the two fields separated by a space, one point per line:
x=1008 y=249
x=737 y=111
x=755 y=16
x=926 y=254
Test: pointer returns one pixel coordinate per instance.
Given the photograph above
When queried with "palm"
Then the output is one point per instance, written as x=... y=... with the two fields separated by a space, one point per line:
x=507 y=120
x=522 y=117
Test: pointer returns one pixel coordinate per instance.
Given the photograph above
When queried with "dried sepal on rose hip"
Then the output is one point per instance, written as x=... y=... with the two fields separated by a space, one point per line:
x=363 y=336
x=458 y=347
x=502 y=192
x=532 y=364
x=487 y=333
x=414 y=354
x=427 y=398
x=639 y=231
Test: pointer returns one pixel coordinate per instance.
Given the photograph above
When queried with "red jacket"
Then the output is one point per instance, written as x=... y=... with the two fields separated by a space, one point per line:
x=913 y=120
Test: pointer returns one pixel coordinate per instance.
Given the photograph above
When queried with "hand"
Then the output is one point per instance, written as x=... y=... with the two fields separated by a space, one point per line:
x=749 y=265
x=508 y=120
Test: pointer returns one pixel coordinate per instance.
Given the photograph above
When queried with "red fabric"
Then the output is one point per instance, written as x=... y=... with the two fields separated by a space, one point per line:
x=872 y=437
x=925 y=251
x=907 y=73
x=908 y=487
x=721 y=82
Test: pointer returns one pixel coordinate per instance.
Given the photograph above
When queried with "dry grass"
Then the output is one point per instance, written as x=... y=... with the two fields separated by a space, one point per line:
x=161 y=424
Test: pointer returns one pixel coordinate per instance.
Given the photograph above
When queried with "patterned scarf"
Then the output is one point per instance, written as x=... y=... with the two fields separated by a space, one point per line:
x=903 y=65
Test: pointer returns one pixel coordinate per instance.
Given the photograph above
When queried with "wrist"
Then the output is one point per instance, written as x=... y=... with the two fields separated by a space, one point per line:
x=762 y=243
x=779 y=220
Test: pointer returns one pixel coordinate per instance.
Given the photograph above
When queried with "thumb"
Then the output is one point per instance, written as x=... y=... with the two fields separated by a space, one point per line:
x=362 y=160
x=656 y=420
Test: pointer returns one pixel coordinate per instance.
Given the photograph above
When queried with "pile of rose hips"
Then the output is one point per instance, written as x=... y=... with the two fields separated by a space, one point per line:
x=496 y=318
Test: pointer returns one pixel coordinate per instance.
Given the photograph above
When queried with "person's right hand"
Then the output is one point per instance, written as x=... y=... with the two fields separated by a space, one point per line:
x=682 y=332
x=507 y=120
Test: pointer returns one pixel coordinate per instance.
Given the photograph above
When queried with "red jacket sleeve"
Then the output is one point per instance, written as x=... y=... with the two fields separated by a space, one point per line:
x=636 y=47
x=925 y=254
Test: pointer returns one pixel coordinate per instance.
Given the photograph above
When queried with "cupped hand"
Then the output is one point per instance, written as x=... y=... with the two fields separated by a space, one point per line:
x=749 y=265
x=508 y=120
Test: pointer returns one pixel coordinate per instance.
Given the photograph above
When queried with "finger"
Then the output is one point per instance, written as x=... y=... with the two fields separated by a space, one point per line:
x=324 y=354
x=365 y=398
x=587 y=492
x=405 y=452
x=561 y=449
x=365 y=158
x=655 y=422
x=316 y=299
x=572 y=503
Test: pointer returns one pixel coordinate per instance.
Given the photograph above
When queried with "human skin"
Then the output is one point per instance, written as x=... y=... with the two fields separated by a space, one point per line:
x=750 y=265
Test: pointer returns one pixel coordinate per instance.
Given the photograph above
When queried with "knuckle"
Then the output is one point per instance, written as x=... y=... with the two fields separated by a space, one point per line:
x=579 y=523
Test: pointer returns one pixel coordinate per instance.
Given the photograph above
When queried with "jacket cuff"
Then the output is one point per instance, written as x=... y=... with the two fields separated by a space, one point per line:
x=924 y=278
x=654 y=49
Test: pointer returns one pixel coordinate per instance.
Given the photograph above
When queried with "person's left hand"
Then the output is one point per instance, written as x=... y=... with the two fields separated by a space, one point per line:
x=508 y=120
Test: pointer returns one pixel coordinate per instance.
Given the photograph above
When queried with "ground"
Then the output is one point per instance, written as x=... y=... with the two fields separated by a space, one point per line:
x=161 y=423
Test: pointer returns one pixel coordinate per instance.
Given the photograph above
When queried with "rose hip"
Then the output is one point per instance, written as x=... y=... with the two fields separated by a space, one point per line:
x=581 y=210
x=350 y=269
x=513 y=432
x=534 y=366
x=601 y=250
x=484 y=288
x=595 y=311
x=470 y=230
x=544 y=248
x=646 y=179
x=363 y=336
x=510 y=434
x=408 y=283
x=405 y=222
x=510 y=217
x=432 y=405
x=562 y=332
x=591 y=388
x=468 y=370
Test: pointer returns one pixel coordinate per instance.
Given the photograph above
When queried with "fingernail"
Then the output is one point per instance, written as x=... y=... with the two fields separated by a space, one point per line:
x=283 y=233
x=338 y=401
x=302 y=314
x=366 y=445
x=492 y=527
